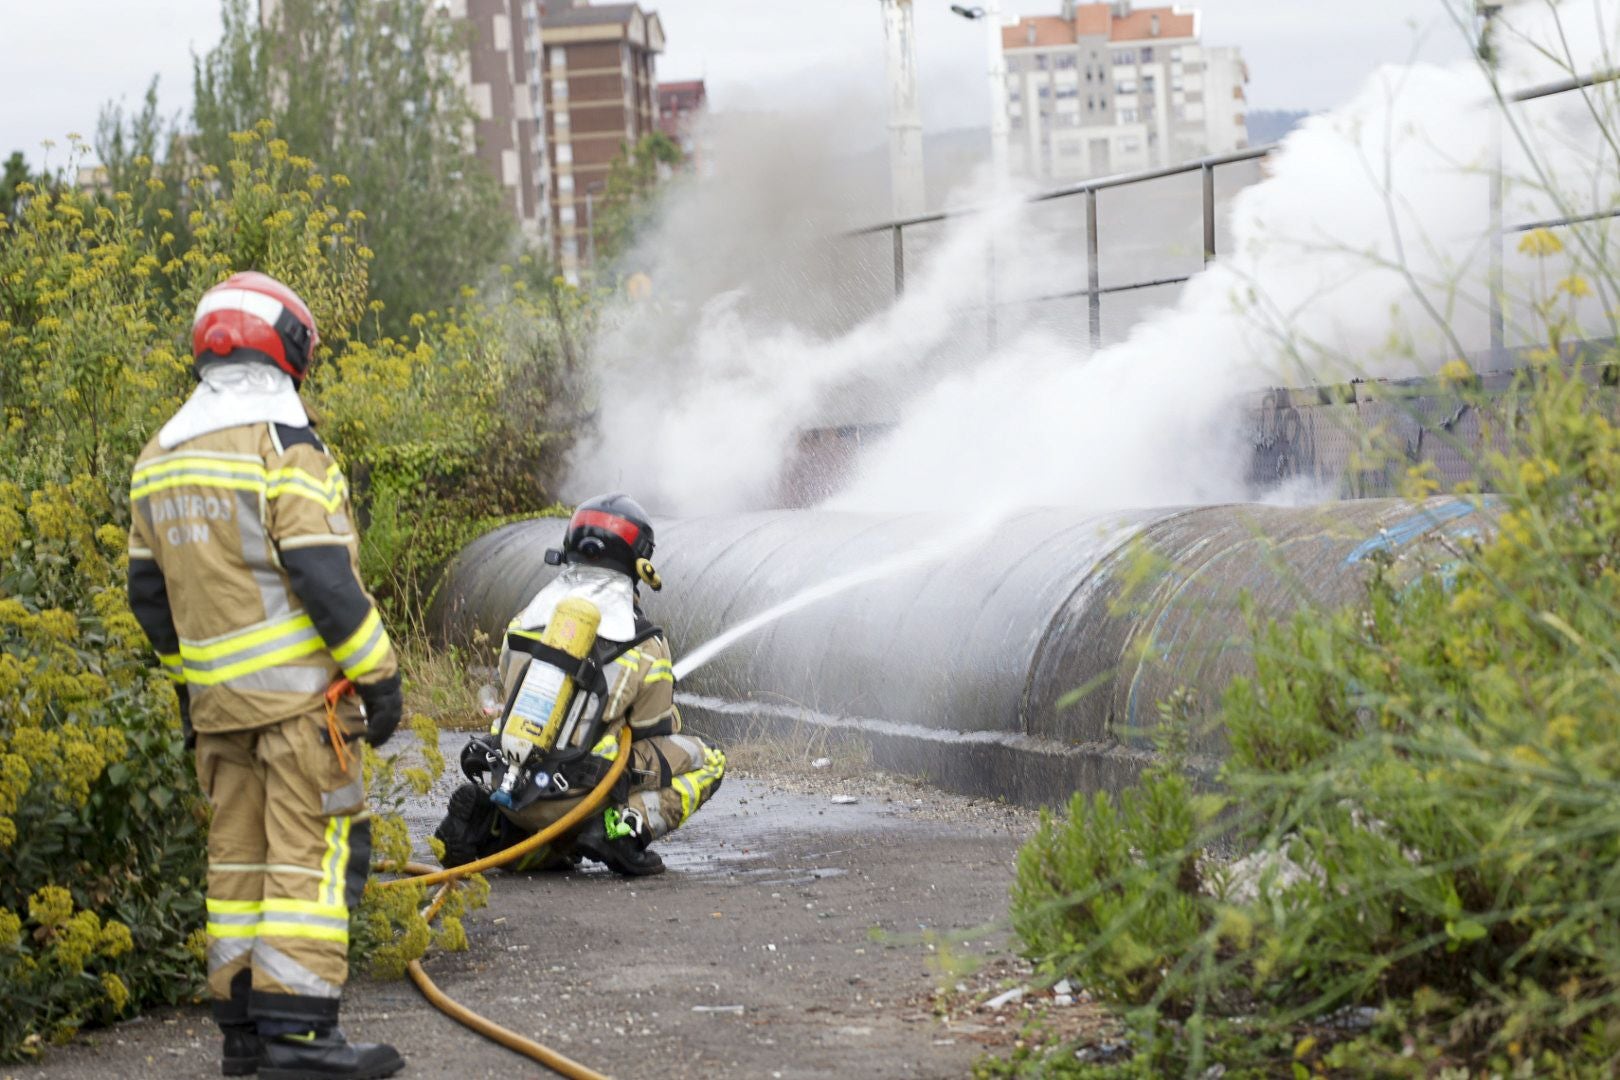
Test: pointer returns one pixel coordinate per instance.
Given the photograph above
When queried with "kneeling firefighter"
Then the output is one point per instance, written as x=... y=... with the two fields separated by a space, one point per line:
x=244 y=573
x=578 y=663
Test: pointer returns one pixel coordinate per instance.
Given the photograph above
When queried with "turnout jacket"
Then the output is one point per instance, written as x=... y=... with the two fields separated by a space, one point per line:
x=244 y=573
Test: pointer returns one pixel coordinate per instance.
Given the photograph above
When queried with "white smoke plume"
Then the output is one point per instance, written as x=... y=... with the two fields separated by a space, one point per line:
x=1363 y=252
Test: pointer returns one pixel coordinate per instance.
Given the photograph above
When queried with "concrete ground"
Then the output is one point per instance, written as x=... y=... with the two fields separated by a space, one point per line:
x=792 y=937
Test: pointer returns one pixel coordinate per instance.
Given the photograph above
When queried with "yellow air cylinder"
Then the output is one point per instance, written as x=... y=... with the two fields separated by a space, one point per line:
x=543 y=700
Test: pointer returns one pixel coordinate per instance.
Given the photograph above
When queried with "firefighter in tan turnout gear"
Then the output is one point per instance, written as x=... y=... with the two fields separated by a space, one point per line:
x=624 y=673
x=244 y=573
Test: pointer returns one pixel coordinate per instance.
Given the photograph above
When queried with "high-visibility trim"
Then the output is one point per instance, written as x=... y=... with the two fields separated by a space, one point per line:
x=329 y=493
x=248 y=653
x=372 y=660
x=261 y=868
x=196 y=479
x=172 y=667
x=299 y=543
x=659 y=676
x=364 y=649
x=198 y=652
x=141 y=554
x=230 y=930
x=532 y=635
x=343 y=798
x=297 y=978
x=234 y=907
x=336 y=860
x=688 y=793
x=289 y=678
x=289 y=929
x=625 y=661
x=240 y=464
x=305 y=907
x=607 y=747
x=223 y=952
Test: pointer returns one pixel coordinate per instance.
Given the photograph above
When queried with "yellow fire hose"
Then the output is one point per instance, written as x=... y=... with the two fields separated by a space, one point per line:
x=447 y=880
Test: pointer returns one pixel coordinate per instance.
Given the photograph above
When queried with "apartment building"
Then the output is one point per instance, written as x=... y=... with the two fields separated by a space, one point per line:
x=680 y=108
x=599 y=83
x=1111 y=87
x=501 y=74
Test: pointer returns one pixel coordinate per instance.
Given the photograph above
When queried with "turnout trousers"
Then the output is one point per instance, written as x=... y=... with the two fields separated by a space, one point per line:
x=289 y=852
x=669 y=778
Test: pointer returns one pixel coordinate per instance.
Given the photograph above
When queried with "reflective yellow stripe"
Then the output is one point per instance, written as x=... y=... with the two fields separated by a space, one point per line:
x=627 y=662
x=665 y=676
x=296 y=651
x=234 y=907
x=371 y=660
x=688 y=795
x=662 y=664
x=336 y=862
x=228 y=646
x=329 y=493
x=607 y=747
x=229 y=930
x=368 y=626
x=306 y=907
x=195 y=480
x=271 y=928
x=231 y=463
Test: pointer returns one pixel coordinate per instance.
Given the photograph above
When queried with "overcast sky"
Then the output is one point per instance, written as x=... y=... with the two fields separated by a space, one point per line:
x=61 y=61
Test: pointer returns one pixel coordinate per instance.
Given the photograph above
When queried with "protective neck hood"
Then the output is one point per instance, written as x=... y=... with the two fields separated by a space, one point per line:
x=613 y=594
x=231 y=395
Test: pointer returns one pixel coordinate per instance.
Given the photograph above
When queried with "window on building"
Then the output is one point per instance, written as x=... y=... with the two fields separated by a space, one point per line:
x=1126 y=86
x=1147 y=55
x=1149 y=84
x=559 y=58
x=1127 y=116
x=1066 y=63
x=565 y=153
x=1041 y=61
x=565 y=184
x=566 y=215
x=559 y=89
x=1091 y=103
x=1125 y=56
x=1045 y=92
x=1065 y=92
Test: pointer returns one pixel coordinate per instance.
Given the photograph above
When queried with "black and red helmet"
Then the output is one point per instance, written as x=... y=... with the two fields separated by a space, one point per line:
x=253 y=313
x=612 y=531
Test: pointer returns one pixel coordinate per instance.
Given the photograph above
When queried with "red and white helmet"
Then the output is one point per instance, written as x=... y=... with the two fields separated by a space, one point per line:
x=255 y=312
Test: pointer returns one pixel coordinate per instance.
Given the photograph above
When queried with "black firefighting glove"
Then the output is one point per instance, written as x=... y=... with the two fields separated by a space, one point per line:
x=187 y=732
x=385 y=705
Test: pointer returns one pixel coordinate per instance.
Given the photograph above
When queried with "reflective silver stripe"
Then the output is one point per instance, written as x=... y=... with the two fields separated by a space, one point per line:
x=347 y=797
x=298 y=918
x=261 y=868
x=653 y=811
x=223 y=952
x=691 y=746
x=234 y=918
x=295 y=635
x=329 y=540
x=297 y=978
x=355 y=656
x=284 y=679
x=260 y=556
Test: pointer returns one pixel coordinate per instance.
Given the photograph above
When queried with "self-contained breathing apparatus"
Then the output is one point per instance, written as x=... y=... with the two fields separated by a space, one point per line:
x=540 y=746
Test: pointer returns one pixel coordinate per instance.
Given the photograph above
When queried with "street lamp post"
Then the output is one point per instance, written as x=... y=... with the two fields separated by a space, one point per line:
x=905 y=110
x=990 y=14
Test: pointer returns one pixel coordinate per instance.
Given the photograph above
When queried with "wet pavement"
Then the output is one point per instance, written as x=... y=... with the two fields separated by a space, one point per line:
x=791 y=937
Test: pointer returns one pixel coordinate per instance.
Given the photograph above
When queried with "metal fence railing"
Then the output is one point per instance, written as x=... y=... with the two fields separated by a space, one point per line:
x=1088 y=190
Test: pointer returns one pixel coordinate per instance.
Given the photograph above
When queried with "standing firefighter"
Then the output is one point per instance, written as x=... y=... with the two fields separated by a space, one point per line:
x=243 y=570
x=586 y=626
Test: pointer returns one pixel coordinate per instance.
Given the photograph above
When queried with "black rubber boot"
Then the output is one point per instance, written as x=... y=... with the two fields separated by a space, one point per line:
x=317 y=1055
x=467 y=826
x=241 y=1054
x=627 y=855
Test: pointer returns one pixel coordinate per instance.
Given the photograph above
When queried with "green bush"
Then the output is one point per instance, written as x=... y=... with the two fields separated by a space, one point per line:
x=1426 y=787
